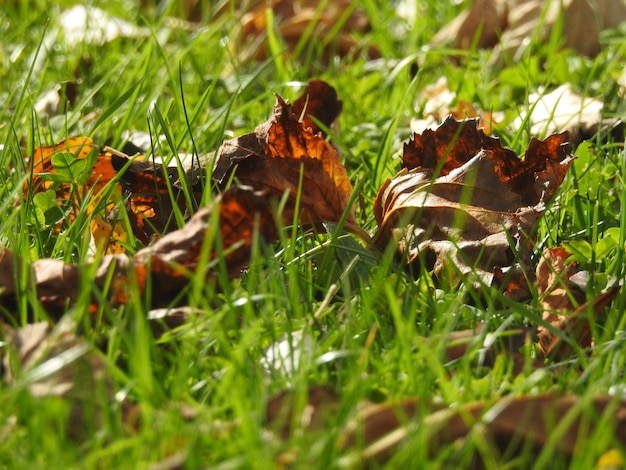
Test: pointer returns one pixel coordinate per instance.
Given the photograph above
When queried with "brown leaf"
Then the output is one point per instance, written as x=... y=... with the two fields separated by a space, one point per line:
x=507 y=25
x=564 y=307
x=152 y=192
x=461 y=196
x=312 y=412
x=510 y=425
x=106 y=235
x=320 y=101
x=293 y=19
x=439 y=101
x=54 y=362
x=164 y=266
x=491 y=346
x=41 y=165
x=274 y=156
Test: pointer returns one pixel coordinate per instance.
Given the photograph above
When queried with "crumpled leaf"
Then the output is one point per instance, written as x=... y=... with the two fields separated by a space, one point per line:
x=54 y=362
x=462 y=196
x=303 y=19
x=320 y=101
x=80 y=171
x=164 y=267
x=509 y=425
x=565 y=307
x=564 y=110
x=273 y=157
x=507 y=24
x=440 y=102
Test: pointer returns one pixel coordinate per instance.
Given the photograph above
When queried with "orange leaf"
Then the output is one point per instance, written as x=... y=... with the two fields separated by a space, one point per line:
x=274 y=157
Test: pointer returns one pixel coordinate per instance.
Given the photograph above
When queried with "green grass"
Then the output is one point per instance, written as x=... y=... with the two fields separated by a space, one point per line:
x=366 y=340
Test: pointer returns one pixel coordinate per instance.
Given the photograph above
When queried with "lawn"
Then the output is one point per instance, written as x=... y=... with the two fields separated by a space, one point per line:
x=276 y=361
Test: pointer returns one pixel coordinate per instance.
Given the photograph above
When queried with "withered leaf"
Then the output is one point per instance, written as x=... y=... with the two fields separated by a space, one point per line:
x=274 y=157
x=320 y=101
x=164 y=266
x=148 y=188
x=491 y=346
x=54 y=362
x=462 y=196
x=41 y=166
x=564 y=109
x=152 y=192
x=565 y=307
x=507 y=25
x=511 y=425
x=313 y=412
x=294 y=20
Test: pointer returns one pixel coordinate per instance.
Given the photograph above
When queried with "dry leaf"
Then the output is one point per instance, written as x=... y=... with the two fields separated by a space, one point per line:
x=489 y=346
x=441 y=102
x=312 y=411
x=147 y=187
x=510 y=425
x=54 y=362
x=320 y=101
x=563 y=109
x=293 y=19
x=507 y=24
x=274 y=157
x=461 y=196
x=164 y=267
x=564 y=307
x=152 y=192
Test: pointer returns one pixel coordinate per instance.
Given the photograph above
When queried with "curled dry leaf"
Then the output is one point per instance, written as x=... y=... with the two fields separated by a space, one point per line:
x=565 y=307
x=320 y=101
x=563 y=109
x=164 y=266
x=275 y=156
x=507 y=24
x=462 y=196
x=54 y=362
x=511 y=425
x=303 y=19
x=489 y=346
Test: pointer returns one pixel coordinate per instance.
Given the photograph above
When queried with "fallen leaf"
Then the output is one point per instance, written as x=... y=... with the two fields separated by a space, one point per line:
x=54 y=362
x=320 y=101
x=563 y=109
x=91 y=25
x=79 y=174
x=506 y=25
x=509 y=425
x=462 y=197
x=287 y=411
x=323 y=24
x=276 y=155
x=439 y=102
x=487 y=347
x=565 y=307
x=164 y=267
x=152 y=192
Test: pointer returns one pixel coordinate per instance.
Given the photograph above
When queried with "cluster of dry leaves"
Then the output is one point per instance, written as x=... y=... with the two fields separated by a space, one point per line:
x=462 y=206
